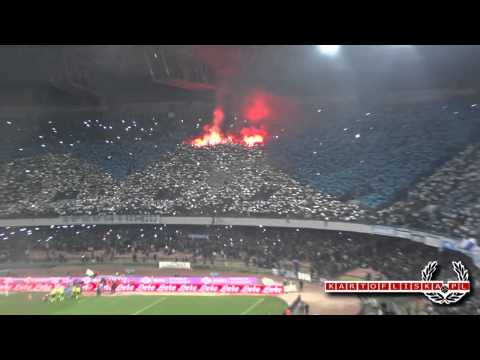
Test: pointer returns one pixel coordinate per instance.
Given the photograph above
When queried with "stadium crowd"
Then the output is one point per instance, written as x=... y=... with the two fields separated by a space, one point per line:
x=358 y=166
x=326 y=255
x=225 y=179
x=447 y=202
x=372 y=154
x=347 y=166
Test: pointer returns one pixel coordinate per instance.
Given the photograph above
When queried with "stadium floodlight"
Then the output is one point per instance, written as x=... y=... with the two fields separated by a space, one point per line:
x=329 y=50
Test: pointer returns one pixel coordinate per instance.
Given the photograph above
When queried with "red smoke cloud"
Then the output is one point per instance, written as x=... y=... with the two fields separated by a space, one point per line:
x=259 y=106
x=218 y=117
x=259 y=109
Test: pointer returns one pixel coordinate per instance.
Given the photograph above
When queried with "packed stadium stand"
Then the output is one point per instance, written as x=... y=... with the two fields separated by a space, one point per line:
x=193 y=154
x=352 y=166
x=372 y=154
x=447 y=201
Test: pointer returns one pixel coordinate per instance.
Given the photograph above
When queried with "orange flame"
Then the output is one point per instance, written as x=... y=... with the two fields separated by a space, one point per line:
x=211 y=138
x=250 y=137
x=213 y=135
x=253 y=140
x=253 y=136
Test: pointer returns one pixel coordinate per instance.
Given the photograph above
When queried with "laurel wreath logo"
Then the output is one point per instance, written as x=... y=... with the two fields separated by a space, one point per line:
x=444 y=296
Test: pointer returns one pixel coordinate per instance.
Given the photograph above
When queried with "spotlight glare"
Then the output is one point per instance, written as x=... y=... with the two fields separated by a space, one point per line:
x=329 y=50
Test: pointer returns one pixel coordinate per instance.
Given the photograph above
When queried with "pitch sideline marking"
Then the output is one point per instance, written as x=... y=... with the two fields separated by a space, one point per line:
x=149 y=306
x=253 y=306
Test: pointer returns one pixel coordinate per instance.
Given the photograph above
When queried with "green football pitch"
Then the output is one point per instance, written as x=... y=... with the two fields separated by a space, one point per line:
x=20 y=304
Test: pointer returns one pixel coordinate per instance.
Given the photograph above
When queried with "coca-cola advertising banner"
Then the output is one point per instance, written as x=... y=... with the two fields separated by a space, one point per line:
x=144 y=284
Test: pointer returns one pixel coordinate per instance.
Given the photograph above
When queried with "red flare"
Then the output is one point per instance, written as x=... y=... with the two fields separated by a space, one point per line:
x=213 y=135
x=253 y=136
x=211 y=139
x=250 y=137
